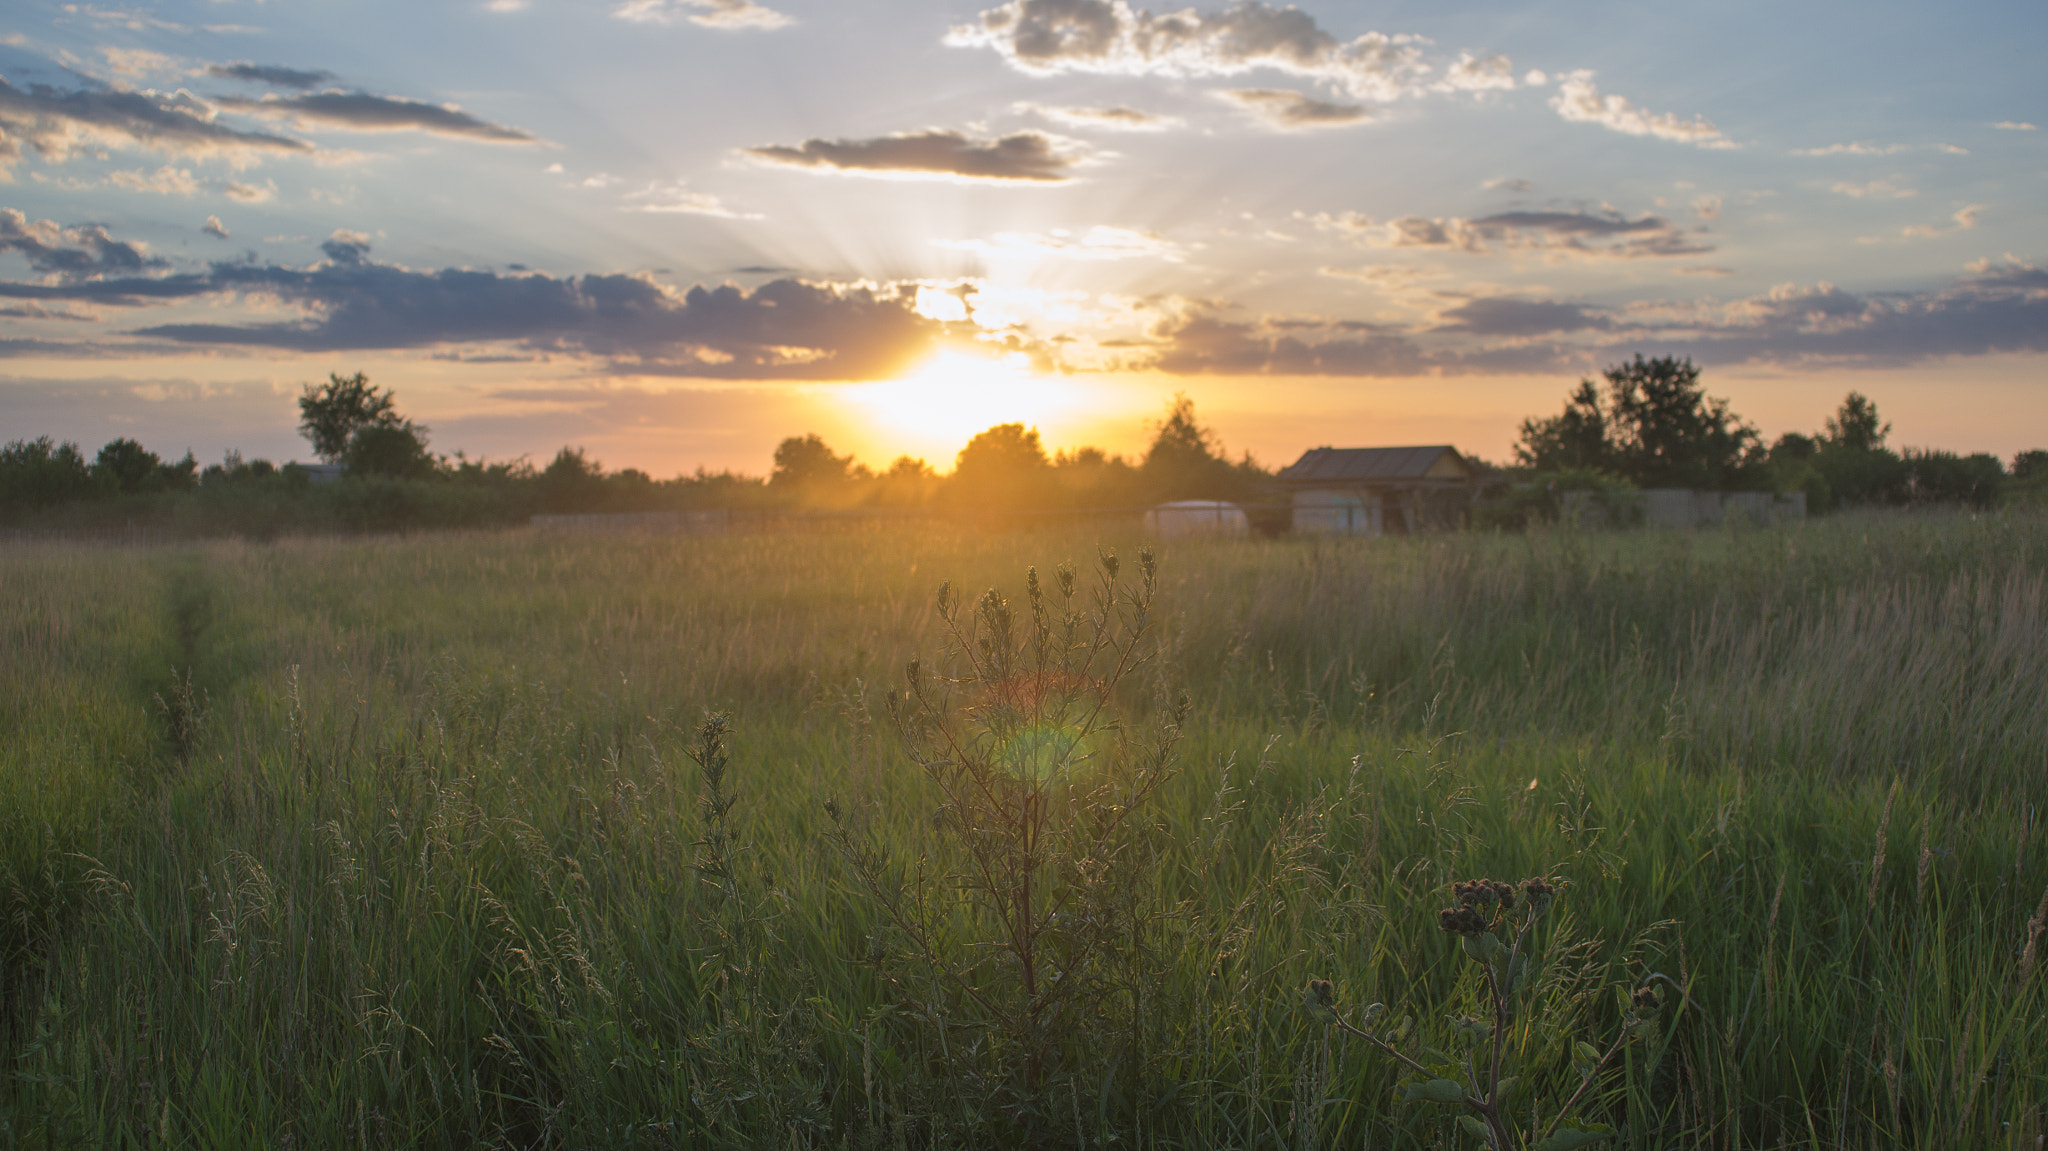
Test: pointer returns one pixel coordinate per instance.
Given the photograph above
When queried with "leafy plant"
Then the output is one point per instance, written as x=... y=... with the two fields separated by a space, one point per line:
x=1475 y=1078
x=1026 y=913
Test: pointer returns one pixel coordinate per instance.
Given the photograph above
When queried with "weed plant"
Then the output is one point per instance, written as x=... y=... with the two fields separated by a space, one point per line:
x=445 y=861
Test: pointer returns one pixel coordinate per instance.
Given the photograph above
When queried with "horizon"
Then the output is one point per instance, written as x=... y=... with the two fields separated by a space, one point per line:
x=673 y=233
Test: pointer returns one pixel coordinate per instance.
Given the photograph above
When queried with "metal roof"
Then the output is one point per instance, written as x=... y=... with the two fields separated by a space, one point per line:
x=1355 y=464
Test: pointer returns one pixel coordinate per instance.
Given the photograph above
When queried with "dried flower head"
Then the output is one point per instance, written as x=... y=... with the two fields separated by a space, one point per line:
x=1463 y=920
x=1484 y=893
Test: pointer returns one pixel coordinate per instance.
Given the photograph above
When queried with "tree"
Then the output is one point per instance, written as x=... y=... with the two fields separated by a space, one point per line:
x=1002 y=468
x=126 y=466
x=571 y=482
x=1573 y=441
x=908 y=483
x=393 y=450
x=1852 y=458
x=1655 y=426
x=1855 y=426
x=808 y=466
x=38 y=473
x=331 y=414
x=1186 y=460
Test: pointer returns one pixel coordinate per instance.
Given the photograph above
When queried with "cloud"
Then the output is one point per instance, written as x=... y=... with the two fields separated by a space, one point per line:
x=363 y=112
x=1855 y=148
x=1579 y=101
x=677 y=199
x=1109 y=37
x=1195 y=342
x=1292 y=111
x=81 y=252
x=1114 y=119
x=1874 y=190
x=1506 y=316
x=137 y=62
x=2015 y=126
x=275 y=75
x=785 y=329
x=251 y=193
x=1097 y=243
x=728 y=15
x=1964 y=219
x=1506 y=184
x=1469 y=73
x=213 y=227
x=56 y=123
x=1021 y=156
x=165 y=181
x=1999 y=309
x=1551 y=234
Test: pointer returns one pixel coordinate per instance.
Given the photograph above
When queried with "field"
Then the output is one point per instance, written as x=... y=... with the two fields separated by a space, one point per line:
x=410 y=842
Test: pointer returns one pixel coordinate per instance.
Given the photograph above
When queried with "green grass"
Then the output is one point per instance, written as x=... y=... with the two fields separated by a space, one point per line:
x=422 y=870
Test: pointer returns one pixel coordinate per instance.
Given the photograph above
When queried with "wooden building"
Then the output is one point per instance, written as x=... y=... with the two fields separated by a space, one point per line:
x=1379 y=491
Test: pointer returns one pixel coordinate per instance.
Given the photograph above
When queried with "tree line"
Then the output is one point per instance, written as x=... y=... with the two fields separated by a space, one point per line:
x=1654 y=426
x=1649 y=424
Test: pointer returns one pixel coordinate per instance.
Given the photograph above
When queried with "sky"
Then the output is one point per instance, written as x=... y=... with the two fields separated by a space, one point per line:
x=674 y=232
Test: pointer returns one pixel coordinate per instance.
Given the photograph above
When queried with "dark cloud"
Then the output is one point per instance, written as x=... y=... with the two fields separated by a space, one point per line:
x=363 y=112
x=1031 y=156
x=55 y=123
x=1994 y=310
x=274 y=75
x=784 y=329
x=75 y=253
x=1585 y=234
x=1199 y=344
x=1505 y=316
x=346 y=247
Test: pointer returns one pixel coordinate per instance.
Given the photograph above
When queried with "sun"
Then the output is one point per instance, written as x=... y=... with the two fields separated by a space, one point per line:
x=935 y=408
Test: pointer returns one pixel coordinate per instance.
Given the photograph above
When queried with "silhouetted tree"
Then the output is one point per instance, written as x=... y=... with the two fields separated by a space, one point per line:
x=2030 y=463
x=1655 y=426
x=908 y=483
x=571 y=482
x=808 y=471
x=38 y=473
x=1092 y=478
x=1575 y=440
x=1853 y=461
x=332 y=414
x=1186 y=461
x=126 y=466
x=1855 y=427
x=1001 y=468
x=393 y=450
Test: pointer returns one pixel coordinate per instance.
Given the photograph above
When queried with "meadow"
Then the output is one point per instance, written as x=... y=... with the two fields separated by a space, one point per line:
x=425 y=841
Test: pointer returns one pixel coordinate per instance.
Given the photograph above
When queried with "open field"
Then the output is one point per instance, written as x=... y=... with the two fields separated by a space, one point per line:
x=399 y=842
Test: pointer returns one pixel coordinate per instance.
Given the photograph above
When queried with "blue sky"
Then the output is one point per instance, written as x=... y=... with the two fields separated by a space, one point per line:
x=675 y=231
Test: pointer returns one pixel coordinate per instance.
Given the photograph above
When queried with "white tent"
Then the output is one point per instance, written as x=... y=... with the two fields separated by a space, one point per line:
x=1183 y=518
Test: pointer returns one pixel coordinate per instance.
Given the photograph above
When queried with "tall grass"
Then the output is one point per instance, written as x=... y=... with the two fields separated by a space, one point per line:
x=428 y=866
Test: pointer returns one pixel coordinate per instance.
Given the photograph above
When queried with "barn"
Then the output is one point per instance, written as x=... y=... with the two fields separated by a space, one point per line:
x=1379 y=491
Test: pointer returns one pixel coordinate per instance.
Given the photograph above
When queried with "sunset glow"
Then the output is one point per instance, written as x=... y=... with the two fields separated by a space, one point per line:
x=674 y=232
x=937 y=407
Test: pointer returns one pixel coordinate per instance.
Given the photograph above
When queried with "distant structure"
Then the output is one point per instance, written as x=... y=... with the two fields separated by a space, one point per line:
x=321 y=473
x=1183 y=518
x=1379 y=491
